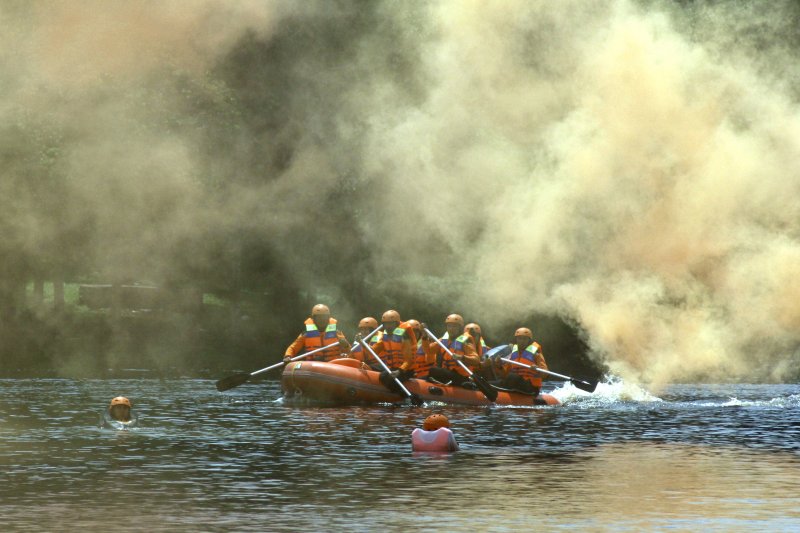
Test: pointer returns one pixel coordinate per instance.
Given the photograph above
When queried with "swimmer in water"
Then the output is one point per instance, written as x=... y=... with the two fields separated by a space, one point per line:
x=435 y=436
x=120 y=409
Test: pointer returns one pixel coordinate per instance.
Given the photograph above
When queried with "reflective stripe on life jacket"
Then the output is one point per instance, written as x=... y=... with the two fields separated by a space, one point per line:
x=313 y=339
x=527 y=357
x=481 y=348
x=440 y=440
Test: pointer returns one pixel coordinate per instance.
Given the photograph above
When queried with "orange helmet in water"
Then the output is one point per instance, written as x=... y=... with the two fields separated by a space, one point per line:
x=120 y=400
x=435 y=422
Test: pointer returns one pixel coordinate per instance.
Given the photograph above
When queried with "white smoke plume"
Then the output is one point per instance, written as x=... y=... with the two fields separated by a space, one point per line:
x=628 y=166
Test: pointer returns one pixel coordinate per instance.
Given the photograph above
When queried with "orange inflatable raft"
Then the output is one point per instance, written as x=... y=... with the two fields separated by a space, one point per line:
x=348 y=381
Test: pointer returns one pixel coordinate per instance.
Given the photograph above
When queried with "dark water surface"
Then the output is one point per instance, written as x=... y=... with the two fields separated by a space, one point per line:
x=698 y=457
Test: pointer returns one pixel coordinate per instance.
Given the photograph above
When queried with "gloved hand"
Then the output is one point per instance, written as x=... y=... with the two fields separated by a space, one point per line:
x=390 y=376
x=358 y=338
x=286 y=360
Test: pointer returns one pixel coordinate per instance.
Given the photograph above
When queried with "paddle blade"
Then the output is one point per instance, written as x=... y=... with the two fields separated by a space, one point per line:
x=232 y=381
x=483 y=386
x=504 y=350
x=588 y=386
x=416 y=400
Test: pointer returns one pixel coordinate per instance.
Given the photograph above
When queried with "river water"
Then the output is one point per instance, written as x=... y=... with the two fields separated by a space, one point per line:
x=695 y=457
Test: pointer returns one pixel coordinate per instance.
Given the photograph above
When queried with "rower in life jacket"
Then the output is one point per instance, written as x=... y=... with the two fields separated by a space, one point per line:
x=365 y=326
x=320 y=330
x=446 y=369
x=396 y=350
x=487 y=366
x=435 y=436
x=423 y=356
x=530 y=353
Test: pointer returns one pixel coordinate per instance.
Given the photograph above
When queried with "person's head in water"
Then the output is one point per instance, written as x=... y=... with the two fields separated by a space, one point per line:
x=120 y=409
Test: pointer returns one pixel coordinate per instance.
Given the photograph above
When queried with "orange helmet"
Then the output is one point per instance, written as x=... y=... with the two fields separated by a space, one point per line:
x=120 y=400
x=368 y=322
x=414 y=324
x=320 y=309
x=472 y=325
x=435 y=422
x=390 y=316
x=454 y=319
x=523 y=332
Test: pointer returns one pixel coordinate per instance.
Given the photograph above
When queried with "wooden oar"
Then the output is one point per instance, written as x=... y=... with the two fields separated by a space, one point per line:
x=588 y=386
x=238 y=379
x=416 y=400
x=487 y=390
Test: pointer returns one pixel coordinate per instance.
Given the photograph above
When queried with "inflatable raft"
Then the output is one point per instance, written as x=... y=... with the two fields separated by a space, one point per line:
x=348 y=381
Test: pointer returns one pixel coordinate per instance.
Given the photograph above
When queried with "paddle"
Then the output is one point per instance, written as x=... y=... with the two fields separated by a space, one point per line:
x=588 y=386
x=482 y=384
x=363 y=341
x=416 y=400
x=237 y=379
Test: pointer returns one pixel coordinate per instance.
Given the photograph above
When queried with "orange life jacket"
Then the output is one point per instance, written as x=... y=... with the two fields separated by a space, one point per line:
x=314 y=339
x=456 y=346
x=527 y=357
x=393 y=345
x=421 y=365
x=364 y=355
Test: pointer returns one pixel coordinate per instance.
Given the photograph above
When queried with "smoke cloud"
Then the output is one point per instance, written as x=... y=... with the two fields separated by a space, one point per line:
x=628 y=166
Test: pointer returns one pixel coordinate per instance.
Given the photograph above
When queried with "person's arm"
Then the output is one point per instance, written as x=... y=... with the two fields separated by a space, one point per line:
x=296 y=348
x=408 y=350
x=538 y=359
x=427 y=349
x=471 y=357
x=344 y=345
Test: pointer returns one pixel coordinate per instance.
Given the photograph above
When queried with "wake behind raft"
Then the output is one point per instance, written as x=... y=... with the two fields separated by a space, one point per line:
x=349 y=381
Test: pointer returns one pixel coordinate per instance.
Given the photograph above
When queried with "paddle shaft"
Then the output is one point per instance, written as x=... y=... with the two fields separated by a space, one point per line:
x=543 y=371
x=446 y=349
x=386 y=368
x=483 y=385
x=295 y=358
x=365 y=340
